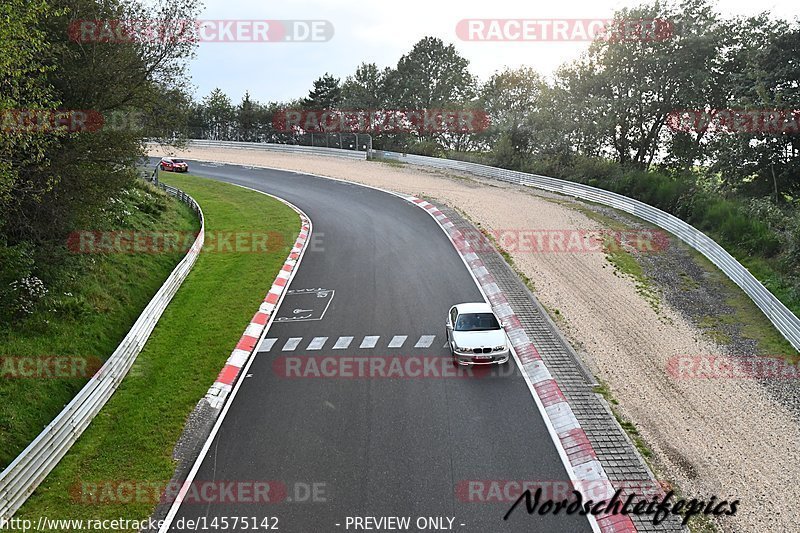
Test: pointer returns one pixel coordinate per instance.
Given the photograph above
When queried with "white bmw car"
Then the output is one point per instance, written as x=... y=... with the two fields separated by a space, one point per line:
x=476 y=336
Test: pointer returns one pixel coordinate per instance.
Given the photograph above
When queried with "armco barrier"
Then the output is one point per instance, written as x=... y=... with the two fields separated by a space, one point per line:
x=288 y=148
x=24 y=474
x=784 y=320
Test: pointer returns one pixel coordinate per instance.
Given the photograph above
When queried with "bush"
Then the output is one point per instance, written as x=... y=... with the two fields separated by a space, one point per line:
x=16 y=265
x=746 y=227
x=429 y=148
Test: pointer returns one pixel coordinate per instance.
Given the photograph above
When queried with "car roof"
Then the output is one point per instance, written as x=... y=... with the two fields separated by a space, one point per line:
x=476 y=307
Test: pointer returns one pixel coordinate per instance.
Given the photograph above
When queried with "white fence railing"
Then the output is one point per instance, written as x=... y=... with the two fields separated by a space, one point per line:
x=784 y=320
x=287 y=148
x=781 y=317
x=26 y=472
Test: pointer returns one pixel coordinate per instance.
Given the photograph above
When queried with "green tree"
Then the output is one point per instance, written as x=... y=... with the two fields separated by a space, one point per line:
x=621 y=93
x=218 y=115
x=246 y=119
x=763 y=75
x=326 y=94
x=54 y=180
x=366 y=89
x=432 y=75
x=512 y=100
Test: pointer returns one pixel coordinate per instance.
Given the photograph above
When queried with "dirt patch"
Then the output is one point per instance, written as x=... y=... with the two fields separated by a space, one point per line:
x=718 y=437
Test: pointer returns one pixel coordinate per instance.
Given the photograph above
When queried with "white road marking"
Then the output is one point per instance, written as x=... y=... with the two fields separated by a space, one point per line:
x=342 y=343
x=266 y=345
x=425 y=341
x=317 y=343
x=370 y=342
x=398 y=341
x=291 y=344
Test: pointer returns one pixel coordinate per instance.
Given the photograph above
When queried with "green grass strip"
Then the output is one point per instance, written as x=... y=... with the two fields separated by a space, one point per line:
x=134 y=435
x=93 y=301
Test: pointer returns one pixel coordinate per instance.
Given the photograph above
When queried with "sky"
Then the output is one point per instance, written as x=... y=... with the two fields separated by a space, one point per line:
x=382 y=31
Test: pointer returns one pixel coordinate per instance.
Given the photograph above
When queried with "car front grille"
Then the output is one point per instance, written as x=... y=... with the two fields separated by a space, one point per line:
x=481 y=350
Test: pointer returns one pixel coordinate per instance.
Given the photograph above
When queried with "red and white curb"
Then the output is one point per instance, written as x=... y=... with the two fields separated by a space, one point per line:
x=576 y=450
x=226 y=386
x=221 y=388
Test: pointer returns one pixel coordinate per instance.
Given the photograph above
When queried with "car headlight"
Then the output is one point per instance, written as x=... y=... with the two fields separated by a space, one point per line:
x=499 y=348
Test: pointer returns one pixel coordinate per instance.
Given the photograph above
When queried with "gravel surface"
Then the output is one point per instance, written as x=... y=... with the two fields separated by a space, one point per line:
x=719 y=437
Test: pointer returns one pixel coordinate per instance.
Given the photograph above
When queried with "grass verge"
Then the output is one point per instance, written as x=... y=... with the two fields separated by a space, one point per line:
x=745 y=315
x=91 y=304
x=133 y=436
x=388 y=161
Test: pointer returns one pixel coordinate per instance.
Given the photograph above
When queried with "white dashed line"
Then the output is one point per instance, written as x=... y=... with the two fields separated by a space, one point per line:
x=425 y=341
x=342 y=343
x=291 y=344
x=398 y=341
x=266 y=345
x=370 y=342
x=317 y=343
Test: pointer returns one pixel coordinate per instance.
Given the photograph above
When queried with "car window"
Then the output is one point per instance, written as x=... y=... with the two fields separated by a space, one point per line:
x=477 y=322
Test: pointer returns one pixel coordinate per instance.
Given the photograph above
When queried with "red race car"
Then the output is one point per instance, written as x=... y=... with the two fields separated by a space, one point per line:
x=173 y=165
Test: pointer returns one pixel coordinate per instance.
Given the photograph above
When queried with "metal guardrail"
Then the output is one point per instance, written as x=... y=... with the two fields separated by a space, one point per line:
x=781 y=317
x=287 y=148
x=28 y=470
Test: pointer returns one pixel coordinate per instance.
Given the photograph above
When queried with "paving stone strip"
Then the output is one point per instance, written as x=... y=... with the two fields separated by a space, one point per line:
x=615 y=451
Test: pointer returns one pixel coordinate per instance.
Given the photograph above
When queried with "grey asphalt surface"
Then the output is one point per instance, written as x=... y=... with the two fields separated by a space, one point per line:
x=380 y=446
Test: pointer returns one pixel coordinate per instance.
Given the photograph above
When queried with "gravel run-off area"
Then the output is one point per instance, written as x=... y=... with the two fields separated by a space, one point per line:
x=730 y=438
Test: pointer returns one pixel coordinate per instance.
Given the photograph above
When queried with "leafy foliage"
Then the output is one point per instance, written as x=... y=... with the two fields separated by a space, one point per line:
x=53 y=181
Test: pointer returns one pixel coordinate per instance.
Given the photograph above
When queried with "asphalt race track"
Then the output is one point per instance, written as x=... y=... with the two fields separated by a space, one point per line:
x=376 y=267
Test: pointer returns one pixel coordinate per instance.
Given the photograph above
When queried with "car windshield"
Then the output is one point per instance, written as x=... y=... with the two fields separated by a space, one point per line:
x=177 y=160
x=476 y=322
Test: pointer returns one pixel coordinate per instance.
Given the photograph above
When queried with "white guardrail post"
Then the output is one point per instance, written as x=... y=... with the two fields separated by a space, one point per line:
x=26 y=472
x=781 y=317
